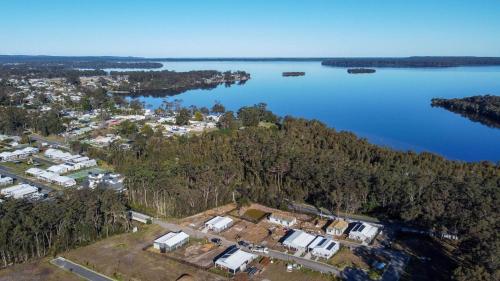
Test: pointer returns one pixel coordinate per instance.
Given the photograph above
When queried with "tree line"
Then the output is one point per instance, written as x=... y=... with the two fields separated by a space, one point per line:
x=412 y=62
x=484 y=109
x=304 y=160
x=36 y=229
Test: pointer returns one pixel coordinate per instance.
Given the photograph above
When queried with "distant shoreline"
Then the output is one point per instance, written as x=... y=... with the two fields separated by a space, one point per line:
x=416 y=61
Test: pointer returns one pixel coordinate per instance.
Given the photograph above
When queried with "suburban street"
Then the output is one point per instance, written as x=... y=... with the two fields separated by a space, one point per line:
x=79 y=270
x=41 y=139
x=6 y=172
x=318 y=266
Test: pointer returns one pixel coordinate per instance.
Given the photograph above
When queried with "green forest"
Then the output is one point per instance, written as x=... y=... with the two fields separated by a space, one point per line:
x=35 y=229
x=304 y=160
x=484 y=109
x=165 y=82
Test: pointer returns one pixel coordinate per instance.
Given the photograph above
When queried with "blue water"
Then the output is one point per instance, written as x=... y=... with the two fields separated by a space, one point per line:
x=390 y=108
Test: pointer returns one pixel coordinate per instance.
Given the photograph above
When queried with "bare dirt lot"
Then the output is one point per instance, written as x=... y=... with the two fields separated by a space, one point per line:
x=277 y=272
x=346 y=258
x=199 y=253
x=122 y=257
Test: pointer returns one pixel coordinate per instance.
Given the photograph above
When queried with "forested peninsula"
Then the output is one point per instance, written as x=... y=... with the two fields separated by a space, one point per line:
x=412 y=62
x=484 y=109
x=167 y=83
x=304 y=160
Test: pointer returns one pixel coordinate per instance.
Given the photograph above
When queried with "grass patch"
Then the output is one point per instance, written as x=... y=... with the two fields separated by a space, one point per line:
x=82 y=174
x=254 y=215
x=220 y=272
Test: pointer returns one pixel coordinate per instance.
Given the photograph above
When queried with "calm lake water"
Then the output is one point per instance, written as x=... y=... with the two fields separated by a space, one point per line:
x=390 y=108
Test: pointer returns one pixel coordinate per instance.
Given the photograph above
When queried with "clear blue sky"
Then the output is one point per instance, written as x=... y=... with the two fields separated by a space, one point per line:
x=255 y=28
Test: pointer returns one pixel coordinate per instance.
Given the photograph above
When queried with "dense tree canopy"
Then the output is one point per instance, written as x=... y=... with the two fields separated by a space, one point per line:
x=306 y=161
x=36 y=229
x=484 y=109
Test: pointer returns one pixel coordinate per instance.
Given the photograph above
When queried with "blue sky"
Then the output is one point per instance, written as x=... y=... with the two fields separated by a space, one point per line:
x=257 y=28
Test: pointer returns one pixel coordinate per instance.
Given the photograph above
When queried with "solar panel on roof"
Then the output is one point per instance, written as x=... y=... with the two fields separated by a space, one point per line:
x=355 y=228
x=322 y=241
x=230 y=252
x=361 y=227
x=330 y=246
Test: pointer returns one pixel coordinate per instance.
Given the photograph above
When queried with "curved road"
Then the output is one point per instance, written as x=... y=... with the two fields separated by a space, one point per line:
x=79 y=270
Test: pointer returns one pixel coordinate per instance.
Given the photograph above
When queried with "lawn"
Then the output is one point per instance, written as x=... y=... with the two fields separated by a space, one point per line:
x=22 y=166
x=254 y=215
x=84 y=173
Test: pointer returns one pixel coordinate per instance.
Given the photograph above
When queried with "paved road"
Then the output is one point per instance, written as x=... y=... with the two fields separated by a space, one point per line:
x=396 y=266
x=79 y=270
x=314 y=265
x=318 y=266
x=20 y=178
x=41 y=139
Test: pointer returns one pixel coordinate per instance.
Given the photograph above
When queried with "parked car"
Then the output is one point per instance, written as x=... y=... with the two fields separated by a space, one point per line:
x=261 y=249
x=243 y=243
x=216 y=241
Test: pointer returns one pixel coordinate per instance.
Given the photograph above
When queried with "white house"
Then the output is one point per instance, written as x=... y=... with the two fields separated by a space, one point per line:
x=283 y=220
x=19 y=191
x=18 y=154
x=234 y=260
x=363 y=232
x=218 y=223
x=171 y=241
x=58 y=154
x=323 y=247
x=298 y=240
x=4 y=181
x=59 y=169
x=51 y=177
x=337 y=227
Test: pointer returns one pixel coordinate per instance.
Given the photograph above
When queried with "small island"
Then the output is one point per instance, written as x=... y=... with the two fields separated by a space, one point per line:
x=360 y=70
x=484 y=109
x=293 y=73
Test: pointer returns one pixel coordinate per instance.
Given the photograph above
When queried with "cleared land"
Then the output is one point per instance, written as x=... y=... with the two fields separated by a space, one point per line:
x=277 y=272
x=346 y=258
x=36 y=271
x=122 y=257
